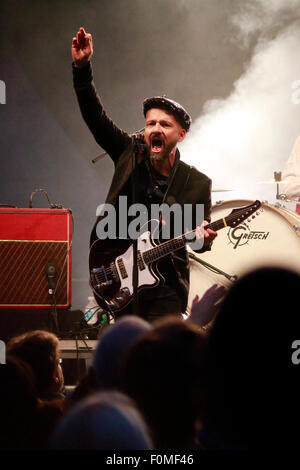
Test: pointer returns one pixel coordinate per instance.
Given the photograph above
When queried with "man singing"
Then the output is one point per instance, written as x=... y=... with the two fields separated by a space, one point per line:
x=163 y=178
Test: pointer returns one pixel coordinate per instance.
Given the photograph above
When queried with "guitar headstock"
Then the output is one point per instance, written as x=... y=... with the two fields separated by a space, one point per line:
x=237 y=216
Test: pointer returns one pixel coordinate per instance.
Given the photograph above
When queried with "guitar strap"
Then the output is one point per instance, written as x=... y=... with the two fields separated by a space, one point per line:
x=158 y=186
x=176 y=182
x=177 y=186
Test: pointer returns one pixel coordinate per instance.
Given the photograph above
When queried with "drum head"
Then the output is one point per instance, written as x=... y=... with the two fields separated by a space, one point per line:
x=270 y=239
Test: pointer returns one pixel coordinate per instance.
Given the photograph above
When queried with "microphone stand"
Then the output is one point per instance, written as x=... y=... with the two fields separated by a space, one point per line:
x=53 y=313
x=50 y=271
x=102 y=155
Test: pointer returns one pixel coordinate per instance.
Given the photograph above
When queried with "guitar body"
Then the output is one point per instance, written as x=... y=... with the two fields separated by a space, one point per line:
x=111 y=265
x=111 y=261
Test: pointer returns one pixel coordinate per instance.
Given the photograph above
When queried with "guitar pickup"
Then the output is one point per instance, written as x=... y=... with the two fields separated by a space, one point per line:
x=122 y=268
x=114 y=272
x=141 y=264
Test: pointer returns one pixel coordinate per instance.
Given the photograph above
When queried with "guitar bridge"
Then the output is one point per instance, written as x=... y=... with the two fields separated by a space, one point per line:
x=100 y=281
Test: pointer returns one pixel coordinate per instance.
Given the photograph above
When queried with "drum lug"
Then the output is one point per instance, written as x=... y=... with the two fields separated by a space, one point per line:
x=296 y=228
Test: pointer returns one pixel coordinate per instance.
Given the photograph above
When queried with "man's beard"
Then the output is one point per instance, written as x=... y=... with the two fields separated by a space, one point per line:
x=163 y=155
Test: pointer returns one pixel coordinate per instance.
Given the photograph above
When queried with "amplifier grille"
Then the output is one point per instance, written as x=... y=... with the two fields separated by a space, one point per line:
x=23 y=279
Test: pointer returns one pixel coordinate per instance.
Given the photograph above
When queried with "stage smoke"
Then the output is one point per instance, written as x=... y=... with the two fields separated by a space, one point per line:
x=242 y=139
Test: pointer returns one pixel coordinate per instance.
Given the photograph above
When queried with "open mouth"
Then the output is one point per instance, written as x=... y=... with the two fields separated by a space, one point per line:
x=157 y=145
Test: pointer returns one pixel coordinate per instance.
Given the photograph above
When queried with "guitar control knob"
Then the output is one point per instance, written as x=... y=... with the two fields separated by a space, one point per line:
x=125 y=290
x=119 y=299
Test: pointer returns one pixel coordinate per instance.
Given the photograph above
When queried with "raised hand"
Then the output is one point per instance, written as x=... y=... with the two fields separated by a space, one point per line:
x=204 y=310
x=82 y=48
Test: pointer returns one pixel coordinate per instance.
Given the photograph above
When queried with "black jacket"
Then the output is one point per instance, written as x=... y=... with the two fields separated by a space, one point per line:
x=188 y=185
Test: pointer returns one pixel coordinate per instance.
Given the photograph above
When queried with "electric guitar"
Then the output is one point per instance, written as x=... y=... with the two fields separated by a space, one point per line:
x=111 y=261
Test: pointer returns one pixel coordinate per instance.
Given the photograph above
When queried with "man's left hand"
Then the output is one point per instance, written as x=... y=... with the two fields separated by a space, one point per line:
x=208 y=234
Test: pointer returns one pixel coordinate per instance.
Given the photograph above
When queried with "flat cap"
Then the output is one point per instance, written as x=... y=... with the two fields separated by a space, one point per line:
x=161 y=102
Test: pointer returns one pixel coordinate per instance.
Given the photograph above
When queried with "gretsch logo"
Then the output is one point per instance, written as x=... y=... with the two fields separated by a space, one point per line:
x=241 y=235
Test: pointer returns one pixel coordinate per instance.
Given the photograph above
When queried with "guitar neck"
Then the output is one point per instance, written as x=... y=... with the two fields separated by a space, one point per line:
x=165 y=248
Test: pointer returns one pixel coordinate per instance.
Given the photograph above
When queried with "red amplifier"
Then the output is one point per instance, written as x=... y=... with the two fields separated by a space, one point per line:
x=30 y=239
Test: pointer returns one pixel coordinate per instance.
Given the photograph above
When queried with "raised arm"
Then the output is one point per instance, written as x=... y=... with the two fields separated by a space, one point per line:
x=112 y=139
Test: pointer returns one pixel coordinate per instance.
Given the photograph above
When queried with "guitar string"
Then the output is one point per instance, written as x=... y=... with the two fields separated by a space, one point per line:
x=164 y=248
x=182 y=238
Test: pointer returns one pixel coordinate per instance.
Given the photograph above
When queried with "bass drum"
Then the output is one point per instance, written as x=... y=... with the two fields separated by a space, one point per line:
x=272 y=238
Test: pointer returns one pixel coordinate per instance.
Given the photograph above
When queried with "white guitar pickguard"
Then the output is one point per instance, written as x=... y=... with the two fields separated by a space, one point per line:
x=145 y=276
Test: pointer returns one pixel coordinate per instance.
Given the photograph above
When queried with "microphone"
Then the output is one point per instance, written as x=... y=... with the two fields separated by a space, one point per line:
x=51 y=277
x=140 y=144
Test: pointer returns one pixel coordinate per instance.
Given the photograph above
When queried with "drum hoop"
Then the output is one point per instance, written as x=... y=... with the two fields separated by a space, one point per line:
x=220 y=204
x=264 y=204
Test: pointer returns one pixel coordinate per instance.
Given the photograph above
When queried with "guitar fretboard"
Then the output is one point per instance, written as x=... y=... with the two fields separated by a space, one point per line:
x=163 y=249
